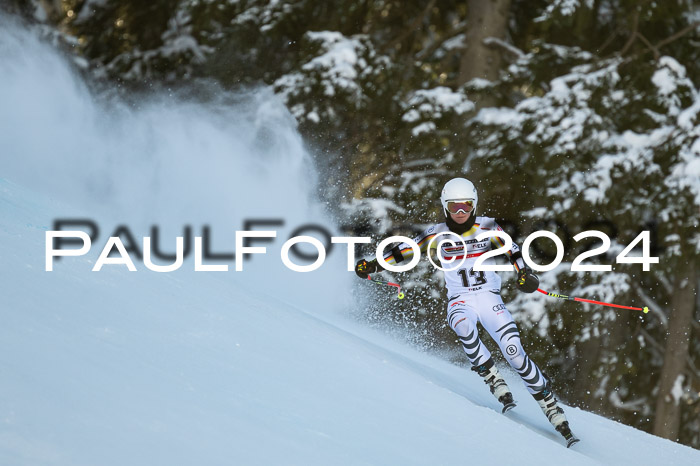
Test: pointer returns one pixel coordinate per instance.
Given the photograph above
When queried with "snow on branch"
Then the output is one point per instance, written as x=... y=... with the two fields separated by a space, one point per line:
x=495 y=42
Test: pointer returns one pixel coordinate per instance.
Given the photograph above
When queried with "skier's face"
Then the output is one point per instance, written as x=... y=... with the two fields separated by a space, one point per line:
x=460 y=217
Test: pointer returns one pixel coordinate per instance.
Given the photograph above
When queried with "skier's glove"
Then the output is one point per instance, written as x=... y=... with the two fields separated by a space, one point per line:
x=364 y=268
x=527 y=280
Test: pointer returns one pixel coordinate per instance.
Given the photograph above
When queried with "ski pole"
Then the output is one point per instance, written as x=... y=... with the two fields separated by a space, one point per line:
x=572 y=298
x=382 y=282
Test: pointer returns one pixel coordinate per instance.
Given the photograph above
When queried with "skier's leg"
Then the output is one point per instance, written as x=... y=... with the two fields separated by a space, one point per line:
x=462 y=318
x=551 y=408
x=500 y=324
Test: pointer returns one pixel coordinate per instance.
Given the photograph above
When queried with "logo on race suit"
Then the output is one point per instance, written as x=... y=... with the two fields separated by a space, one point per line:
x=451 y=251
x=511 y=350
x=499 y=307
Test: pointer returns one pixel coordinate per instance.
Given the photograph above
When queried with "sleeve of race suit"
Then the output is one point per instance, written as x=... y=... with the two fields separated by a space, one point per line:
x=404 y=252
x=514 y=255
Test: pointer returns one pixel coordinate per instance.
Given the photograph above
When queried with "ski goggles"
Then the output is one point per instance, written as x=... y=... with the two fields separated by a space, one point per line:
x=455 y=207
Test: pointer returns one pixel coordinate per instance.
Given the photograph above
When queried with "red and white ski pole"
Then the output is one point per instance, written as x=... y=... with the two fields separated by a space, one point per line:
x=582 y=300
x=382 y=282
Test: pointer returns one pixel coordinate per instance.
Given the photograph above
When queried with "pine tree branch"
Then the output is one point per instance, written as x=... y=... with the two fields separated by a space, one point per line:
x=653 y=307
x=495 y=42
x=655 y=344
x=679 y=34
x=428 y=51
x=666 y=284
x=655 y=48
x=633 y=36
x=608 y=41
x=649 y=45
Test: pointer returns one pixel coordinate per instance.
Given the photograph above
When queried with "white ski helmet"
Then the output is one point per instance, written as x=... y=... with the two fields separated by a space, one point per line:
x=459 y=189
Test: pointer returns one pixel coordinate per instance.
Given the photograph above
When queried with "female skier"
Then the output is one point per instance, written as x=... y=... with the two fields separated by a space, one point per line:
x=474 y=296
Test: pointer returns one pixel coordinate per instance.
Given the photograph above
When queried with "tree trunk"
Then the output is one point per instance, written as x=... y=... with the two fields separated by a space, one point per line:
x=668 y=407
x=486 y=18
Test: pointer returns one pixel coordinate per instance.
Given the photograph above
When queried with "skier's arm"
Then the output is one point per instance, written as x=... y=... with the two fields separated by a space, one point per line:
x=404 y=252
x=527 y=280
x=396 y=255
x=514 y=255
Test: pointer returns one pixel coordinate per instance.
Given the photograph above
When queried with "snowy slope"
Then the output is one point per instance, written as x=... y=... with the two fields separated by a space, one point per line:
x=118 y=367
x=252 y=367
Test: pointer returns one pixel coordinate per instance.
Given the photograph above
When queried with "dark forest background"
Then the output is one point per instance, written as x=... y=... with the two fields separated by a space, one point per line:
x=568 y=115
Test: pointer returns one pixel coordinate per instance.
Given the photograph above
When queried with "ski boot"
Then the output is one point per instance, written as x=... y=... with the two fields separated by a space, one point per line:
x=555 y=414
x=496 y=384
